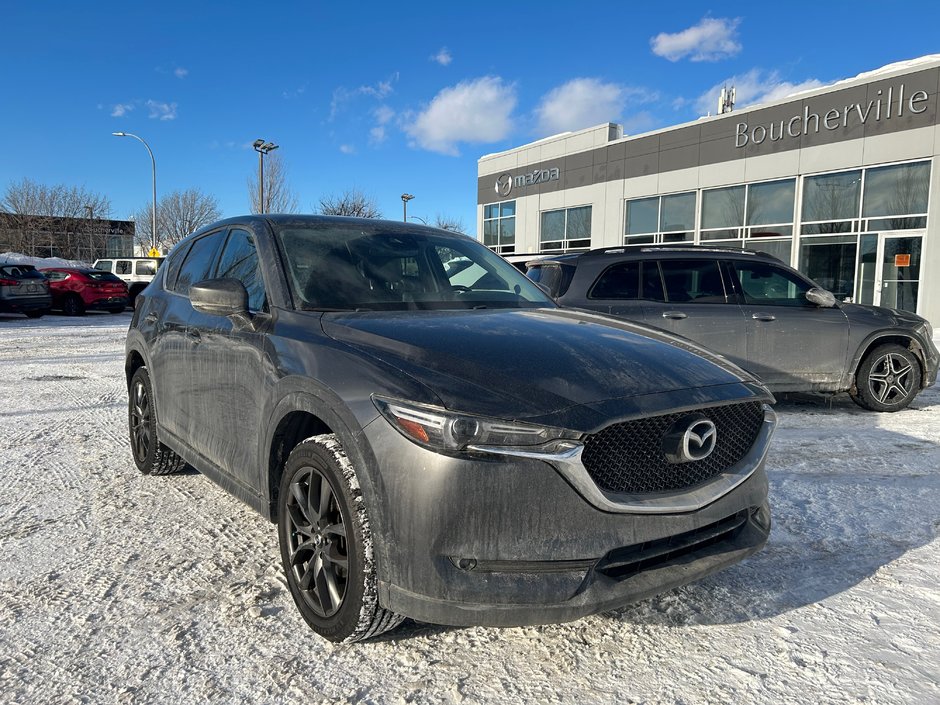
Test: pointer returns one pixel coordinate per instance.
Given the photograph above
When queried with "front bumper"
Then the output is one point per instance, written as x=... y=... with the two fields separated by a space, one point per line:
x=502 y=541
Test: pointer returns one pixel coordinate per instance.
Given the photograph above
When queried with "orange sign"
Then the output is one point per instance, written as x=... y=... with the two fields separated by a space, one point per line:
x=902 y=260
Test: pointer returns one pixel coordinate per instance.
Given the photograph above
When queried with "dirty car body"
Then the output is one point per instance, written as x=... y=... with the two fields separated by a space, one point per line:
x=507 y=462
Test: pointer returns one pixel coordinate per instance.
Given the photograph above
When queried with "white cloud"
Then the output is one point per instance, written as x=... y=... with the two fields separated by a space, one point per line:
x=583 y=102
x=710 y=40
x=161 y=111
x=442 y=57
x=379 y=91
x=347 y=149
x=121 y=109
x=755 y=86
x=180 y=72
x=383 y=115
x=475 y=111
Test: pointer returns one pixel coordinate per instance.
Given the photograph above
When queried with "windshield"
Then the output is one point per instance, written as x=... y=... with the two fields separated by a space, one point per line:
x=341 y=268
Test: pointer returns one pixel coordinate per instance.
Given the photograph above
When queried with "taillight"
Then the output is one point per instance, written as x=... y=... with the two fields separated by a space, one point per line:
x=9 y=282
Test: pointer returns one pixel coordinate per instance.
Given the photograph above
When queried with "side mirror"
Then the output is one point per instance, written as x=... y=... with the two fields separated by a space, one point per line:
x=821 y=297
x=219 y=297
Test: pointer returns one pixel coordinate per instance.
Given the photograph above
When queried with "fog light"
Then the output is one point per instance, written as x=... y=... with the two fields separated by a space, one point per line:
x=761 y=516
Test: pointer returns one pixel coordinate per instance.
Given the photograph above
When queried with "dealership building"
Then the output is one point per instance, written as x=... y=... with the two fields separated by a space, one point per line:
x=841 y=182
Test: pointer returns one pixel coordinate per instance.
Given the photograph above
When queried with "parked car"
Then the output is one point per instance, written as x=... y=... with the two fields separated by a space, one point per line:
x=23 y=289
x=136 y=272
x=77 y=289
x=464 y=454
x=759 y=313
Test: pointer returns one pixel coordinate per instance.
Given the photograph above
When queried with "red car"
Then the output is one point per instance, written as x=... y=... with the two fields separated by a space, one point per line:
x=76 y=290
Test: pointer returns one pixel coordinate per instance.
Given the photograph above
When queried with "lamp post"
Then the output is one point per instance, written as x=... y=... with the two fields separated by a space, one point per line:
x=405 y=197
x=153 y=163
x=262 y=148
x=418 y=217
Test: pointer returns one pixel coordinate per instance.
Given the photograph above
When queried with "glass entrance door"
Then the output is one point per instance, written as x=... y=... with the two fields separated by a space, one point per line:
x=897 y=272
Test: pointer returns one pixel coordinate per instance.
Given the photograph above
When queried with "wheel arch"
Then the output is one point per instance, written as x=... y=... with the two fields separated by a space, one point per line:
x=908 y=342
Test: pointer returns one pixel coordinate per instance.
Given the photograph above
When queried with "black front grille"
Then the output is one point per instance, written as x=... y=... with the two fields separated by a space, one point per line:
x=629 y=457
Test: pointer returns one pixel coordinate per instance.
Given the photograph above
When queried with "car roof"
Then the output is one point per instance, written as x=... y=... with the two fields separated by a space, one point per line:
x=670 y=251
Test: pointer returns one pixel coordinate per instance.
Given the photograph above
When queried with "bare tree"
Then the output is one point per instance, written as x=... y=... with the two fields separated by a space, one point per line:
x=278 y=195
x=179 y=213
x=42 y=220
x=446 y=222
x=352 y=202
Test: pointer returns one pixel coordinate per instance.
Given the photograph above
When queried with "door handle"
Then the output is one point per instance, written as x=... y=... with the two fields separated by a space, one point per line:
x=674 y=315
x=763 y=317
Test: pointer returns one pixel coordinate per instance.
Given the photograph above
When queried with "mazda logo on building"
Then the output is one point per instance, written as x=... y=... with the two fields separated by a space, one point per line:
x=691 y=438
x=504 y=184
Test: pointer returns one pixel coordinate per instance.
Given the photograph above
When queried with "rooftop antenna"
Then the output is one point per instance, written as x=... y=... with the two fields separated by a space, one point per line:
x=726 y=100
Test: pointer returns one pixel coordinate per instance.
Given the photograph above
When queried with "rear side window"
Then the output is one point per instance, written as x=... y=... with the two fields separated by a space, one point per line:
x=621 y=281
x=122 y=266
x=104 y=265
x=198 y=262
x=240 y=261
x=696 y=281
x=55 y=276
x=555 y=277
x=145 y=267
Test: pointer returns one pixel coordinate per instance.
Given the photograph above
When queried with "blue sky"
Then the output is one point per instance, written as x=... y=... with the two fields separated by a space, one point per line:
x=389 y=98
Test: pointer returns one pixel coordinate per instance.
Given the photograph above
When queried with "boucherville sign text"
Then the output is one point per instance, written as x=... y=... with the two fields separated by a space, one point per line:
x=887 y=105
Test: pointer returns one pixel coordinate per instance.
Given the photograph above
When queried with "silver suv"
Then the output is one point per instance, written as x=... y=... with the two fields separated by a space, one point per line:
x=759 y=313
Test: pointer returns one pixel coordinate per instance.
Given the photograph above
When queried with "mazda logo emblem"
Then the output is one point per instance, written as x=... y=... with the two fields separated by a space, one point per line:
x=504 y=184
x=691 y=438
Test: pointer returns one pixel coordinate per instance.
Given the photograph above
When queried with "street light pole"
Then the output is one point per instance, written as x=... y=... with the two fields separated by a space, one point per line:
x=405 y=197
x=262 y=148
x=153 y=164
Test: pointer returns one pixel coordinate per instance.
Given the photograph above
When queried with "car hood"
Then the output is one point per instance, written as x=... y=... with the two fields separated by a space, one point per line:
x=533 y=363
x=881 y=316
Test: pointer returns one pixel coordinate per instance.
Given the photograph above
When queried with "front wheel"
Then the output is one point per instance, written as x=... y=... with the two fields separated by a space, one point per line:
x=888 y=379
x=326 y=544
x=73 y=305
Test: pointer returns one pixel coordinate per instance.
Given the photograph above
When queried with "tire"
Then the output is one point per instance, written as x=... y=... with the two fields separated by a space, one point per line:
x=150 y=455
x=888 y=379
x=73 y=305
x=327 y=551
x=35 y=314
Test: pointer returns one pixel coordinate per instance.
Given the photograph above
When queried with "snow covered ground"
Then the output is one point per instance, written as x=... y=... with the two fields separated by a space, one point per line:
x=116 y=587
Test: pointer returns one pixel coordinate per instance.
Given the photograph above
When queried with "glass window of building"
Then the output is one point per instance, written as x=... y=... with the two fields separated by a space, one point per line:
x=831 y=203
x=565 y=229
x=723 y=213
x=660 y=219
x=499 y=227
x=895 y=197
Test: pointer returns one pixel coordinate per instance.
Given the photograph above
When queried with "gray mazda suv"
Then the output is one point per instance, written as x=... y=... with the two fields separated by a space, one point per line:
x=433 y=436
x=758 y=312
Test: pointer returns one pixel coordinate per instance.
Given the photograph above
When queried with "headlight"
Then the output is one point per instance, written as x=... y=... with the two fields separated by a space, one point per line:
x=446 y=431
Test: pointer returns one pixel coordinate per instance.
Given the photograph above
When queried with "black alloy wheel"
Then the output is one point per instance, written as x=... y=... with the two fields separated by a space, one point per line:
x=141 y=420
x=319 y=554
x=73 y=305
x=327 y=544
x=150 y=455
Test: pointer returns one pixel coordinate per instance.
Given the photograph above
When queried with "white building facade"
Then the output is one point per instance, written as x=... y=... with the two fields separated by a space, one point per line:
x=841 y=182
